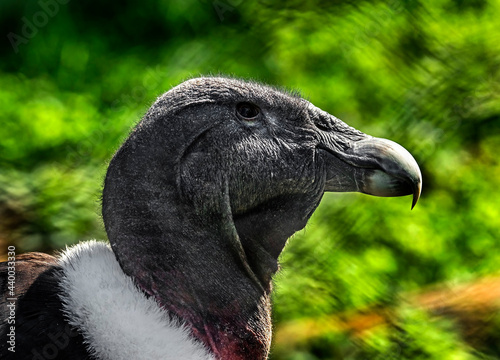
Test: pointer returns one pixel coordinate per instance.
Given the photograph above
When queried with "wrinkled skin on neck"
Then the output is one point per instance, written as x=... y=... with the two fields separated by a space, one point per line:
x=198 y=203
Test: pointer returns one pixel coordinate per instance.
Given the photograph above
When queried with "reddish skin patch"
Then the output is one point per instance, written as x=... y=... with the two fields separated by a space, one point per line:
x=228 y=336
x=230 y=346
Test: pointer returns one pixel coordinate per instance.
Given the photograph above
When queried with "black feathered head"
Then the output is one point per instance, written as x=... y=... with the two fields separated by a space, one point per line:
x=219 y=173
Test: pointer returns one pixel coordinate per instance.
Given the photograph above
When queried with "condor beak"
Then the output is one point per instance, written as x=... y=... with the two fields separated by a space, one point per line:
x=373 y=166
x=357 y=162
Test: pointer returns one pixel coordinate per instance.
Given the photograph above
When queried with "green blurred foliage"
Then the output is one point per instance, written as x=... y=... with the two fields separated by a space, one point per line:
x=424 y=73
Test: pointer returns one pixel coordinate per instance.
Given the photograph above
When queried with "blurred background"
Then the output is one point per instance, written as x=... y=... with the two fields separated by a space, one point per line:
x=367 y=278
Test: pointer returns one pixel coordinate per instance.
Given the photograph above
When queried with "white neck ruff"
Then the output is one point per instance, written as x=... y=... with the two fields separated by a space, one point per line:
x=115 y=318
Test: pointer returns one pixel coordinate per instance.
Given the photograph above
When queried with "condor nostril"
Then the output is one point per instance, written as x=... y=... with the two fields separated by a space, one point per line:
x=323 y=127
x=322 y=123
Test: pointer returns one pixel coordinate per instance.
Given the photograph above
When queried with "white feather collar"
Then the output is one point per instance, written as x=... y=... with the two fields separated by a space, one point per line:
x=116 y=319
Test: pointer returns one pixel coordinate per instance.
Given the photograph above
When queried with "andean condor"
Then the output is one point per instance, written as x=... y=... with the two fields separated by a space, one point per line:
x=198 y=203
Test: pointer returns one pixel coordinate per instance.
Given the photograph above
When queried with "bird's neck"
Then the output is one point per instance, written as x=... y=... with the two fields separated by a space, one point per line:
x=197 y=270
x=190 y=258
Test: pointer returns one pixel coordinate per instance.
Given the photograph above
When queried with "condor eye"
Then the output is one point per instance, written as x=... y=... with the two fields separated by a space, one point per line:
x=247 y=111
